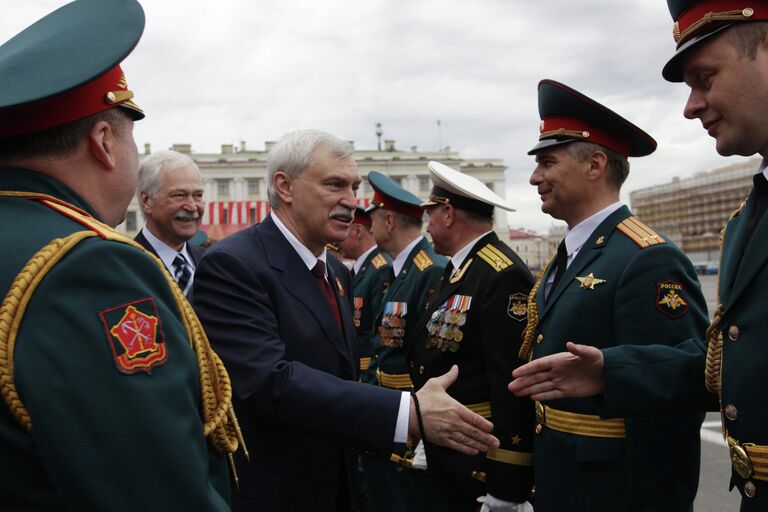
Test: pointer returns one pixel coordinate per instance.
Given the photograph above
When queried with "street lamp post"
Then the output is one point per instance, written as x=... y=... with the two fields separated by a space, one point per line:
x=379 y=133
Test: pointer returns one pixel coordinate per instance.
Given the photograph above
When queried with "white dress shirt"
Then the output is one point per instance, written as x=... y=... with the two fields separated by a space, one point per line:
x=167 y=254
x=576 y=237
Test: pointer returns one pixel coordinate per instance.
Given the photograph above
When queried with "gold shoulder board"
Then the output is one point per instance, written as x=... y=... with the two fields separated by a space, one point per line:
x=494 y=257
x=422 y=261
x=639 y=233
x=379 y=261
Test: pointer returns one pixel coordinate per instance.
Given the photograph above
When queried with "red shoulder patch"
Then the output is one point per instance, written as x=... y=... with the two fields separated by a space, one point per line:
x=135 y=336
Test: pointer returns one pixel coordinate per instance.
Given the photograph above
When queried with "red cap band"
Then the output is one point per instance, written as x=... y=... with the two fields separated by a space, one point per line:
x=107 y=91
x=384 y=201
x=555 y=127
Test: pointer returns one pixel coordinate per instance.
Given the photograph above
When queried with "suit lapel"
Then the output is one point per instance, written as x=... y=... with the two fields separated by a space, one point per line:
x=587 y=254
x=299 y=282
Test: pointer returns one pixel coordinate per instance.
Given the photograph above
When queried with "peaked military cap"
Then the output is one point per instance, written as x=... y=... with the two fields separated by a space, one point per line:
x=65 y=66
x=462 y=191
x=388 y=194
x=569 y=116
x=362 y=216
x=697 y=20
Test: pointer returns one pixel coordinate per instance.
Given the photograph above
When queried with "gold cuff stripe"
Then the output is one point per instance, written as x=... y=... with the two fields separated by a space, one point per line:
x=510 y=457
x=395 y=381
x=483 y=409
x=365 y=363
x=583 y=424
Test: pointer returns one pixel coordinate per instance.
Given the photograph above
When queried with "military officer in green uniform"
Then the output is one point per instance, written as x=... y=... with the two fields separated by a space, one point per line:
x=614 y=282
x=112 y=398
x=475 y=319
x=396 y=217
x=722 y=47
x=370 y=278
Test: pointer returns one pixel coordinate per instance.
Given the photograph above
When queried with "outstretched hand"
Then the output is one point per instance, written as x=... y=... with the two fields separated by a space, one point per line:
x=576 y=373
x=447 y=422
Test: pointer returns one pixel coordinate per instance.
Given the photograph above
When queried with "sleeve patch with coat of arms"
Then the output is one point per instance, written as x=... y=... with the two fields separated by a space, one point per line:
x=517 y=308
x=670 y=299
x=135 y=336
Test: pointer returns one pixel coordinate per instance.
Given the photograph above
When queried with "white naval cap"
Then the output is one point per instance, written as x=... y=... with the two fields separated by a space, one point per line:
x=462 y=191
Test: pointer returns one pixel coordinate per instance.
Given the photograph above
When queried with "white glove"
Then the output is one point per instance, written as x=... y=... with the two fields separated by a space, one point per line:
x=491 y=504
x=419 y=457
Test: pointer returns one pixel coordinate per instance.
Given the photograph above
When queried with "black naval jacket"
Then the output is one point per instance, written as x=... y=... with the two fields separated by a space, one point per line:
x=498 y=283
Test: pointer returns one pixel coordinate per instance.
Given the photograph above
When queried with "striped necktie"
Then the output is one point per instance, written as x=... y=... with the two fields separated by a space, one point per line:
x=181 y=272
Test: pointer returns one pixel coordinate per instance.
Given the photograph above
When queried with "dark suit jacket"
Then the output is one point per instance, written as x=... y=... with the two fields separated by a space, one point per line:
x=194 y=250
x=291 y=370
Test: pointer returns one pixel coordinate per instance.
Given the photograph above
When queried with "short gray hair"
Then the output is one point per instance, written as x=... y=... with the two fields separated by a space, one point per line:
x=292 y=154
x=153 y=166
x=617 y=165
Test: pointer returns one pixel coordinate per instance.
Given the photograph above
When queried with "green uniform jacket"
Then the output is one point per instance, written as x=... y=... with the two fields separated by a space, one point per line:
x=743 y=282
x=368 y=287
x=641 y=292
x=497 y=283
x=102 y=438
x=413 y=286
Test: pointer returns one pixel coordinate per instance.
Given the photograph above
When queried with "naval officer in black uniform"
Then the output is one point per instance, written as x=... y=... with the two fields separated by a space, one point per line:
x=475 y=319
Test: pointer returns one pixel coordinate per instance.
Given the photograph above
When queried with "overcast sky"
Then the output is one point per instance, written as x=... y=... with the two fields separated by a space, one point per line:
x=213 y=72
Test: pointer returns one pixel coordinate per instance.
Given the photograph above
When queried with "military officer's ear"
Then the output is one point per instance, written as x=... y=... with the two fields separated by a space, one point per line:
x=103 y=144
x=450 y=215
x=598 y=165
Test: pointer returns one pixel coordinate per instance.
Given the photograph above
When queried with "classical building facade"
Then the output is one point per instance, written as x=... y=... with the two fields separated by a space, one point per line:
x=692 y=211
x=236 y=192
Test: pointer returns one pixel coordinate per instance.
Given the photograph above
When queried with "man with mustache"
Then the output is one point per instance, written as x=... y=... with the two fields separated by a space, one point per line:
x=276 y=308
x=170 y=193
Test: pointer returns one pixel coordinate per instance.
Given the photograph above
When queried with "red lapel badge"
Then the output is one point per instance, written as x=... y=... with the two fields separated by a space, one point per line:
x=135 y=336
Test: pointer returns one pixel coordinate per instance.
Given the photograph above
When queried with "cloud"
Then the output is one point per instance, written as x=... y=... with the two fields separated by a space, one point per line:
x=209 y=73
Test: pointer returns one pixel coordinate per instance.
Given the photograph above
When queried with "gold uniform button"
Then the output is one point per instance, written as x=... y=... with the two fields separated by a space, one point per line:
x=750 y=489
x=733 y=333
x=539 y=338
x=421 y=370
x=539 y=428
x=731 y=412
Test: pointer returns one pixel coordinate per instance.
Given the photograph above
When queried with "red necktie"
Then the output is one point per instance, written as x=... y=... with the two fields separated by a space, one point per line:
x=319 y=272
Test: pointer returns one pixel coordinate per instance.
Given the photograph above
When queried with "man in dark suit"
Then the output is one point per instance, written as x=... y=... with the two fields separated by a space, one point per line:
x=170 y=193
x=274 y=306
x=475 y=319
x=615 y=282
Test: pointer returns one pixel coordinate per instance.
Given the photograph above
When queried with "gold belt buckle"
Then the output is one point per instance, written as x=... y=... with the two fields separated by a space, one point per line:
x=739 y=458
x=539 y=413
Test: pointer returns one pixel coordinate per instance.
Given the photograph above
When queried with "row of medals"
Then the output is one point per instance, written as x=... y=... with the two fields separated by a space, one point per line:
x=444 y=329
x=392 y=328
